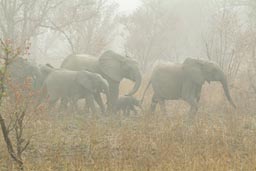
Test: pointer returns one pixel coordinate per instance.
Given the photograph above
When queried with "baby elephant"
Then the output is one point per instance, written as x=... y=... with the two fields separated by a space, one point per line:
x=126 y=104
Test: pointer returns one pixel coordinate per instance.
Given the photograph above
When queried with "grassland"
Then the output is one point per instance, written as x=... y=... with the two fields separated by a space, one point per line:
x=220 y=139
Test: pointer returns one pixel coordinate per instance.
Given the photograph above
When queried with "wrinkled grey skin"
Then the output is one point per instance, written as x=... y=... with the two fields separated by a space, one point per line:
x=20 y=69
x=113 y=67
x=72 y=85
x=184 y=81
x=126 y=104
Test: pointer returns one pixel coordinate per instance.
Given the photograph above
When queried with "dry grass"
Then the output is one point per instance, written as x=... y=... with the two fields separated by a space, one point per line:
x=220 y=139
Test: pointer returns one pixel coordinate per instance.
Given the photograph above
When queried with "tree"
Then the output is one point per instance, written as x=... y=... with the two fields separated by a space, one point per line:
x=15 y=105
x=224 y=39
x=165 y=30
x=150 y=32
x=87 y=26
x=21 y=19
x=252 y=43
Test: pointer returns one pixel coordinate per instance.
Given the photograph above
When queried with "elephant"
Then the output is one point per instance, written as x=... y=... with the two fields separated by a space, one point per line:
x=20 y=69
x=65 y=85
x=184 y=81
x=45 y=70
x=126 y=104
x=111 y=66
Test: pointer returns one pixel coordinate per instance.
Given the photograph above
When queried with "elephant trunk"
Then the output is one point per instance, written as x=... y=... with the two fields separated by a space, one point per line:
x=107 y=96
x=105 y=89
x=136 y=85
x=226 y=90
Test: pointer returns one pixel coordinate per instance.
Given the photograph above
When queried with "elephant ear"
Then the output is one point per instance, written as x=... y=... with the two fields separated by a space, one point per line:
x=84 y=79
x=110 y=64
x=193 y=71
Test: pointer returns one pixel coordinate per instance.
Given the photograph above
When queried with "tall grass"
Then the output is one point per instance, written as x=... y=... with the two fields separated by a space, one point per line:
x=220 y=139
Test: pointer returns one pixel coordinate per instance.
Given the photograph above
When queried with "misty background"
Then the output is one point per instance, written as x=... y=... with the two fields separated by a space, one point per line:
x=152 y=32
x=147 y=30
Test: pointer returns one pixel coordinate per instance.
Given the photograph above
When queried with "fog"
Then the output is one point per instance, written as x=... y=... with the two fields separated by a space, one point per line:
x=127 y=84
x=146 y=30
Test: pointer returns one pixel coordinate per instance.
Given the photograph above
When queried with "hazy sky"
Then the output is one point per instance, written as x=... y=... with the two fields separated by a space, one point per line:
x=128 y=6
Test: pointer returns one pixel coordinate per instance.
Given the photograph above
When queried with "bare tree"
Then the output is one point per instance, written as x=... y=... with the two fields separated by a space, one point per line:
x=16 y=107
x=224 y=39
x=87 y=26
x=164 y=30
x=251 y=41
x=151 y=32
x=21 y=19
x=6 y=58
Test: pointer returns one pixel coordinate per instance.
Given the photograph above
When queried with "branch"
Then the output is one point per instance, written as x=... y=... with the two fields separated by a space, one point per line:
x=66 y=36
x=8 y=141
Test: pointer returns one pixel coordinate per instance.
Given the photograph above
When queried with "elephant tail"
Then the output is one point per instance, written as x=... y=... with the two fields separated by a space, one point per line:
x=144 y=93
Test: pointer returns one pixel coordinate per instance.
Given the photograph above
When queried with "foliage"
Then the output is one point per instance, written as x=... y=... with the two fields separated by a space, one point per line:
x=16 y=103
x=220 y=139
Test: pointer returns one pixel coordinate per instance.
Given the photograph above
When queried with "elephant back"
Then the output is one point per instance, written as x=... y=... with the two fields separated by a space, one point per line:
x=167 y=80
x=80 y=62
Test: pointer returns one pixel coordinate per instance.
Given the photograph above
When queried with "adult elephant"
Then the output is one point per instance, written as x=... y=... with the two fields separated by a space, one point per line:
x=184 y=81
x=62 y=84
x=20 y=69
x=112 y=66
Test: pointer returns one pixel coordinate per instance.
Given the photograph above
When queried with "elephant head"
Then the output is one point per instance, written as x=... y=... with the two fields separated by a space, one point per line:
x=117 y=67
x=45 y=70
x=92 y=82
x=20 y=69
x=199 y=71
x=101 y=84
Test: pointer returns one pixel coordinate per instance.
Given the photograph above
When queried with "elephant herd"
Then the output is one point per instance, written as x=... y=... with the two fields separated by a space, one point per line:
x=87 y=77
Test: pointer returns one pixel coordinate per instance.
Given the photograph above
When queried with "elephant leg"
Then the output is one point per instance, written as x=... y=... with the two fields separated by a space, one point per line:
x=120 y=111
x=126 y=111
x=134 y=110
x=90 y=100
x=99 y=101
x=193 y=108
x=52 y=103
x=154 y=102
x=86 y=106
x=63 y=104
x=198 y=93
x=77 y=105
x=162 y=106
x=113 y=93
x=74 y=104
x=191 y=94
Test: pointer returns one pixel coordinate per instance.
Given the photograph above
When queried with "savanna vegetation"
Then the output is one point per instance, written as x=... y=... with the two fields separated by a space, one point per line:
x=220 y=138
